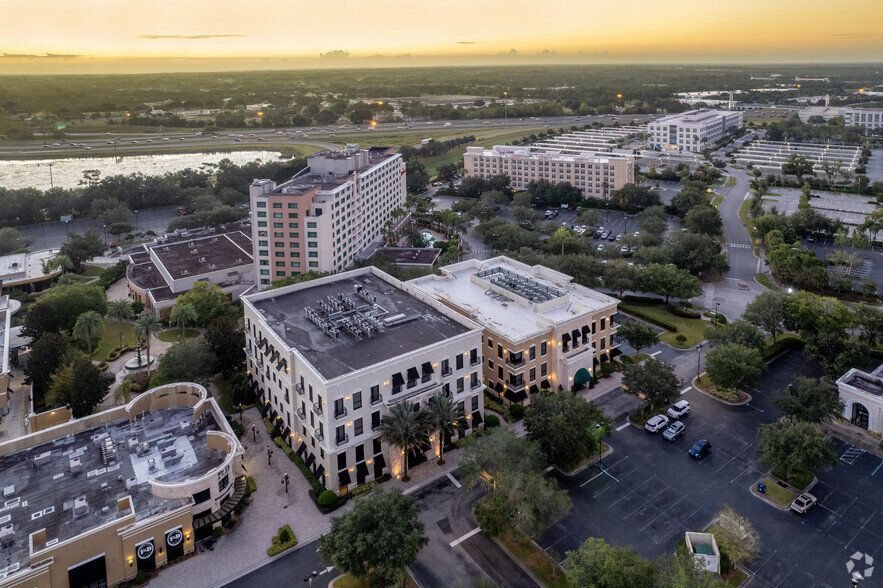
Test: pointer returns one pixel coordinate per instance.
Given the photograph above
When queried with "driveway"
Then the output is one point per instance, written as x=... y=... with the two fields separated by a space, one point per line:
x=649 y=493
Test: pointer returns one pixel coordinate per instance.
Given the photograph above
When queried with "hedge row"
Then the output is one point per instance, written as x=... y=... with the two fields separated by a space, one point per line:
x=642 y=299
x=650 y=319
x=496 y=406
x=783 y=343
x=293 y=456
x=683 y=312
x=111 y=275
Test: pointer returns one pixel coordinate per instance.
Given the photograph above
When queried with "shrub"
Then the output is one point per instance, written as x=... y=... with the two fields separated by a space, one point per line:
x=217 y=532
x=102 y=367
x=363 y=488
x=721 y=319
x=140 y=577
x=496 y=406
x=283 y=540
x=516 y=411
x=680 y=311
x=681 y=339
x=491 y=421
x=251 y=487
x=636 y=311
x=607 y=368
x=238 y=428
x=284 y=535
x=327 y=498
x=628 y=358
x=137 y=307
x=783 y=343
x=113 y=355
x=726 y=564
x=642 y=299
x=111 y=275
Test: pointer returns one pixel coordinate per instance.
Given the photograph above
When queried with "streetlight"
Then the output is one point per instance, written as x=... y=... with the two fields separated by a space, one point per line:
x=136 y=219
x=105 y=233
x=128 y=116
x=699 y=360
x=254 y=433
x=240 y=412
x=310 y=578
x=269 y=454
x=716 y=305
x=285 y=481
x=261 y=118
x=599 y=431
x=505 y=111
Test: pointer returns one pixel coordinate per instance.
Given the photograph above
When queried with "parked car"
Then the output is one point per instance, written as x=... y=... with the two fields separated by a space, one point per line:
x=674 y=431
x=700 y=449
x=803 y=503
x=612 y=237
x=656 y=424
x=679 y=409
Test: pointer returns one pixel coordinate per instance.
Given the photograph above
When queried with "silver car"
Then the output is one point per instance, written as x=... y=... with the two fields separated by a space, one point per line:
x=674 y=431
x=656 y=424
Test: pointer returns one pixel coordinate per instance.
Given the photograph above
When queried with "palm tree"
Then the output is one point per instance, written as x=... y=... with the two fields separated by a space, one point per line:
x=183 y=314
x=146 y=327
x=87 y=323
x=405 y=429
x=446 y=417
x=119 y=310
x=123 y=392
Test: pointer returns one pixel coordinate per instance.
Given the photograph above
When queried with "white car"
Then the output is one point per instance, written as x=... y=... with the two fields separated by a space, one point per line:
x=656 y=424
x=679 y=409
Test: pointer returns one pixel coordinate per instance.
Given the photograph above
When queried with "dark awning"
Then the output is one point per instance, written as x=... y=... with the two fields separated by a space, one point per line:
x=586 y=331
x=565 y=337
x=615 y=352
x=239 y=487
x=604 y=357
x=362 y=469
x=302 y=449
x=515 y=396
x=286 y=432
x=397 y=379
x=320 y=474
x=427 y=368
x=476 y=419
x=380 y=461
x=534 y=389
x=545 y=385
x=595 y=362
x=310 y=460
x=498 y=387
x=343 y=477
x=575 y=334
x=582 y=377
x=412 y=374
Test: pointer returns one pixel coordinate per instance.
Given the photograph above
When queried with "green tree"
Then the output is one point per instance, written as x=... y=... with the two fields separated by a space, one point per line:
x=699 y=254
x=227 y=342
x=405 y=429
x=668 y=281
x=119 y=310
x=632 y=198
x=736 y=536
x=767 y=312
x=682 y=570
x=869 y=320
x=145 y=328
x=638 y=334
x=57 y=309
x=83 y=248
x=378 y=538
x=522 y=501
x=86 y=325
x=704 y=219
x=208 y=300
x=78 y=385
x=46 y=355
x=11 y=241
x=654 y=379
x=795 y=448
x=563 y=424
x=740 y=331
x=446 y=417
x=123 y=392
x=416 y=178
x=733 y=366
x=619 y=276
x=810 y=400
x=599 y=565
x=190 y=360
x=183 y=315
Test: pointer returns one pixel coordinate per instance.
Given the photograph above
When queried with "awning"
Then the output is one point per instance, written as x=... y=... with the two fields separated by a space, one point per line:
x=427 y=368
x=320 y=474
x=586 y=331
x=343 y=477
x=615 y=352
x=565 y=337
x=412 y=374
x=362 y=469
x=545 y=385
x=397 y=379
x=239 y=487
x=575 y=334
x=595 y=362
x=534 y=389
x=498 y=386
x=310 y=460
x=286 y=432
x=476 y=419
x=582 y=376
x=515 y=396
x=604 y=357
x=302 y=449
x=380 y=461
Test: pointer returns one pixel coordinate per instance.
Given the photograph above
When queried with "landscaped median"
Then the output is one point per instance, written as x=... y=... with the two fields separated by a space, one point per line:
x=735 y=397
x=692 y=329
x=530 y=556
x=776 y=494
x=282 y=540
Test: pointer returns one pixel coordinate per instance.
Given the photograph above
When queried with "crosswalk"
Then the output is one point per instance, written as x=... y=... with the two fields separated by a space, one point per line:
x=739 y=245
x=850 y=455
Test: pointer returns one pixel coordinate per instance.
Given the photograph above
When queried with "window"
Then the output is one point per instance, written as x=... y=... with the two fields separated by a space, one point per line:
x=357 y=400
x=543 y=348
x=474 y=403
x=360 y=453
x=375 y=394
x=490 y=343
x=533 y=374
x=445 y=367
x=459 y=362
x=377 y=447
x=459 y=385
x=340 y=434
x=603 y=325
x=499 y=351
x=357 y=427
x=533 y=352
x=490 y=363
x=500 y=372
x=544 y=370
x=375 y=420
x=341 y=461
x=339 y=408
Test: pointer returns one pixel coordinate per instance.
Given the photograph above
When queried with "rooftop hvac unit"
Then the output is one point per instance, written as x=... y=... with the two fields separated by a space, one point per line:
x=7 y=534
x=81 y=506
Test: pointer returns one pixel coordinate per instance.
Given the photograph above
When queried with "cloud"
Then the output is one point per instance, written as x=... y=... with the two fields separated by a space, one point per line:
x=856 y=35
x=470 y=42
x=186 y=36
x=45 y=56
x=513 y=51
x=336 y=54
x=547 y=52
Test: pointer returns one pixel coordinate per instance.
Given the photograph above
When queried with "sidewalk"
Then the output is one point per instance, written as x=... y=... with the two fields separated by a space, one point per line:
x=245 y=547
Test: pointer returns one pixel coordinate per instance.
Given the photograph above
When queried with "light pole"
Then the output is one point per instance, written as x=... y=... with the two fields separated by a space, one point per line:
x=285 y=481
x=240 y=412
x=505 y=110
x=716 y=305
x=105 y=233
x=599 y=432
x=52 y=184
x=269 y=454
x=699 y=360
x=254 y=433
x=261 y=118
x=136 y=219
x=310 y=578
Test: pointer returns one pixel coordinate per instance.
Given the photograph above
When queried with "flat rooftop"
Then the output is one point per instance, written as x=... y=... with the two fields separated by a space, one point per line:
x=202 y=255
x=550 y=301
x=40 y=485
x=24 y=266
x=425 y=256
x=310 y=182
x=406 y=324
x=869 y=383
x=693 y=116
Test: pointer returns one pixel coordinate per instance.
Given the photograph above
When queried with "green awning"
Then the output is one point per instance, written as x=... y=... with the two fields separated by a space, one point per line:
x=582 y=376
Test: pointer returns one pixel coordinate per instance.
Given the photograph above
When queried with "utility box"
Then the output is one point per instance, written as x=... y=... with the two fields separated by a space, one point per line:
x=704 y=548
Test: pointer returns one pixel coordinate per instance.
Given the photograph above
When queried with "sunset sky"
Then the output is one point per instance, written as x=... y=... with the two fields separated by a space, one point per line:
x=78 y=36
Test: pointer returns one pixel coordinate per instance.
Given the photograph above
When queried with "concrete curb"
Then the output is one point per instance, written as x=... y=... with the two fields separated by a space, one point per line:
x=518 y=562
x=752 y=489
x=694 y=385
x=589 y=462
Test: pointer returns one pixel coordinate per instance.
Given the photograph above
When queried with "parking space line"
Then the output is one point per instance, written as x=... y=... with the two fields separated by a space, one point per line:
x=655 y=353
x=686 y=389
x=623 y=426
x=664 y=512
x=454 y=480
x=457 y=542
x=860 y=530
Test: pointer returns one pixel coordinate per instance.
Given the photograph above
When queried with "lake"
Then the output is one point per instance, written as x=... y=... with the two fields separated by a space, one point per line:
x=67 y=173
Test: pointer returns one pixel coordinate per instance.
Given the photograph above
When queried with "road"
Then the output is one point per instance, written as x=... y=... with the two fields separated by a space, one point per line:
x=289 y=569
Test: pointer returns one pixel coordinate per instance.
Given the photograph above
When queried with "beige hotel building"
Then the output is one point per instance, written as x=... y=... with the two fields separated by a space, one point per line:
x=540 y=330
x=596 y=175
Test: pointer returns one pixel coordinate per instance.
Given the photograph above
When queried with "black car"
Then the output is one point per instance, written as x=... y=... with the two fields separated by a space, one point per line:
x=700 y=449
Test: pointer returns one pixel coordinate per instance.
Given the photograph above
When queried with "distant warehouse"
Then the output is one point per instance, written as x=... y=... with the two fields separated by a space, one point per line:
x=595 y=175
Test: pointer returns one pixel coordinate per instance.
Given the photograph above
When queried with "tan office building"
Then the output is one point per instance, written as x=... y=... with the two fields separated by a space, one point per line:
x=540 y=329
x=595 y=175
x=93 y=501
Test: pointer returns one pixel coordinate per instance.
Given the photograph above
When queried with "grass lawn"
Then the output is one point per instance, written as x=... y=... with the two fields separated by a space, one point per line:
x=765 y=281
x=173 y=335
x=347 y=581
x=779 y=495
x=732 y=396
x=716 y=201
x=692 y=329
x=91 y=270
x=110 y=337
x=536 y=560
x=639 y=357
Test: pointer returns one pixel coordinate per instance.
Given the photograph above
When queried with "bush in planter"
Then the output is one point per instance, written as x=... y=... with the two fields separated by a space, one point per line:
x=681 y=339
x=102 y=366
x=516 y=411
x=491 y=421
x=607 y=368
x=327 y=498
x=217 y=532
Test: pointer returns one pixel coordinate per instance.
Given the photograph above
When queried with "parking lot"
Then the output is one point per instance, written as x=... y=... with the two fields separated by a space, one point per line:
x=649 y=492
x=852 y=209
x=871 y=268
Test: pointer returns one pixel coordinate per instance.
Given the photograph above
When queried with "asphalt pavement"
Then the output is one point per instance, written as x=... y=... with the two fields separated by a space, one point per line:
x=290 y=568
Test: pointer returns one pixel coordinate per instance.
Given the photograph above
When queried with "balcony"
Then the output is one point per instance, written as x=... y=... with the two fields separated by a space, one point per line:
x=341 y=440
x=515 y=386
x=446 y=372
x=339 y=414
x=516 y=362
x=476 y=384
x=375 y=426
x=474 y=360
x=320 y=437
x=301 y=414
x=299 y=388
x=376 y=399
x=317 y=408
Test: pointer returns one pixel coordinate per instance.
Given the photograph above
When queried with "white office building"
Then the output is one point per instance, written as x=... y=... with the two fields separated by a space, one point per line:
x=328 y=359
x=695 y=130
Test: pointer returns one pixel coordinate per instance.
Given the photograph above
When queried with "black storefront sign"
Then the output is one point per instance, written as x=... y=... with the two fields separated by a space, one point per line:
x=174 y=544
x=145 y=554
